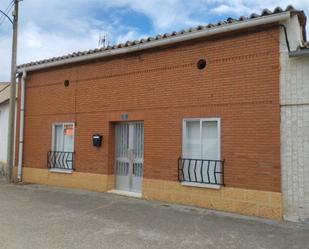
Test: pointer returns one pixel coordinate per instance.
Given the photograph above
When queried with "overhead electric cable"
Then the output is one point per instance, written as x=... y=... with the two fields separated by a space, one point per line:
x=6 y=12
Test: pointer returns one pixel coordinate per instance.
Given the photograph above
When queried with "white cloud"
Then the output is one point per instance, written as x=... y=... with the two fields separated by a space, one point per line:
x=229 y=9
x=176 y=13
x=248 y=7
x=49 y=35
x=163 y=13
x=129 y=36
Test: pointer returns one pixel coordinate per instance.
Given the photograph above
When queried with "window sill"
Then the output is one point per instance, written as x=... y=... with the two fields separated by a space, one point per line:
x=62 y=171
x=201 y=185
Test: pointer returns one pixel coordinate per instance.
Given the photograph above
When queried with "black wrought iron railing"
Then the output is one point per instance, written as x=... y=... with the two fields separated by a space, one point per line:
x=201 y=171
x=60 y=160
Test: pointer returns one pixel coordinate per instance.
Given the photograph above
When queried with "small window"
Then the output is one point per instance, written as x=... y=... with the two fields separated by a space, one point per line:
x=202 y=139
x=61 y=155
x=63 y=137
x=200 y=162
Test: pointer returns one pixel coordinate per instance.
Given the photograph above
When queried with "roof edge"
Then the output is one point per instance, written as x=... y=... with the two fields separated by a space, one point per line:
x=229 y=27
x=4 y=92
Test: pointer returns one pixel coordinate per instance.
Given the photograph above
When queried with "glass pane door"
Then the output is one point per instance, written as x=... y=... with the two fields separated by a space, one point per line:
x=58 y=138
x=210 y=143
x=210 y=150
x=68 y=138
x=192 y=144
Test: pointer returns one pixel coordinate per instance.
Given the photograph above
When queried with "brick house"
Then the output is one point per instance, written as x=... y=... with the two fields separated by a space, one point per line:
x=190 y=117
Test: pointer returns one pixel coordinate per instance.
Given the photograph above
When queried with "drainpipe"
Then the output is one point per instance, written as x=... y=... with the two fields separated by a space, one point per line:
x=21 y=126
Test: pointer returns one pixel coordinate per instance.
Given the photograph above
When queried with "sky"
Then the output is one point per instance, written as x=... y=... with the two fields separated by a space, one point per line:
x=57 y=27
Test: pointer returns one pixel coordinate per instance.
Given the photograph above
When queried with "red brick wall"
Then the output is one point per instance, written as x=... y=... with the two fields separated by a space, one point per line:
x=161 y=87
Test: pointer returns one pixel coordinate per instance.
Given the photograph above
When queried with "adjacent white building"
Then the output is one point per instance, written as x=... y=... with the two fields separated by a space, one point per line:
x=4 y=115
x=294 y=101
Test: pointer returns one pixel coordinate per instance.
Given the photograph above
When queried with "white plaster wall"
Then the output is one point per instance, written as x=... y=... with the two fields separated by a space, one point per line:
x=294 y=100
x=4 y=115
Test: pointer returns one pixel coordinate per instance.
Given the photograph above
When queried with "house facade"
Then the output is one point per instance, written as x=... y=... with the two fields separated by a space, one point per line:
x=192 y=117
x=4 y=117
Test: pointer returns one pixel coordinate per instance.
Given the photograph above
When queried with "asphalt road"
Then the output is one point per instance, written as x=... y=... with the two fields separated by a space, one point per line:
x=37 y=217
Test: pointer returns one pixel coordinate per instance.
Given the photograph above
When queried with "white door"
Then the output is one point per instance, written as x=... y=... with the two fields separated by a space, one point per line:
x=129 y=156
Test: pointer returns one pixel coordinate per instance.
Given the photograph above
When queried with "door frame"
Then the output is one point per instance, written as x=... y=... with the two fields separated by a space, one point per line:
x=130 y=157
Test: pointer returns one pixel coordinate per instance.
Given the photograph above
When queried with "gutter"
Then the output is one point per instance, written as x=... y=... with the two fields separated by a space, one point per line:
x=249 y=23
x=21 y=126
x=303 y=49
x=299 y=53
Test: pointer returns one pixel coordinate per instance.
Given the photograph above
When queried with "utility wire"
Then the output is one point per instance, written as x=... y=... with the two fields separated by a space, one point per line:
x=5 y=15
x=8 y=7
x=7 y=10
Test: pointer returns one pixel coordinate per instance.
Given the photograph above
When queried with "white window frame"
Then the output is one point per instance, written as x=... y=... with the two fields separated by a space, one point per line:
x=184 y=126
x=184 y=135
x=65 y=171
x=54 y=132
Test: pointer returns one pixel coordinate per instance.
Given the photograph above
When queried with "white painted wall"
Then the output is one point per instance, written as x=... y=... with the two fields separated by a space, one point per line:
x=294 y=100
x=4 y=115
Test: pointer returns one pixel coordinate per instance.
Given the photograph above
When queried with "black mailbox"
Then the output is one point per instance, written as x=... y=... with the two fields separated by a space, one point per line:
x=97 y=140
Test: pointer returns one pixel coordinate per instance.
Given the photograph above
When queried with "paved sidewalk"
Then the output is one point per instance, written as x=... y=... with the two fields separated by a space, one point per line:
x=37 y=217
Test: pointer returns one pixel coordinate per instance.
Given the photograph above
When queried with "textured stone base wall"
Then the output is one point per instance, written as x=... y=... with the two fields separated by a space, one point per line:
x=242 y=201
x=295 y=161
x=93 y=182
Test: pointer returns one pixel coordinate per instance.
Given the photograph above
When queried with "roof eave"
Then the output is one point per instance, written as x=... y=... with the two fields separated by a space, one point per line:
x=263 y=20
